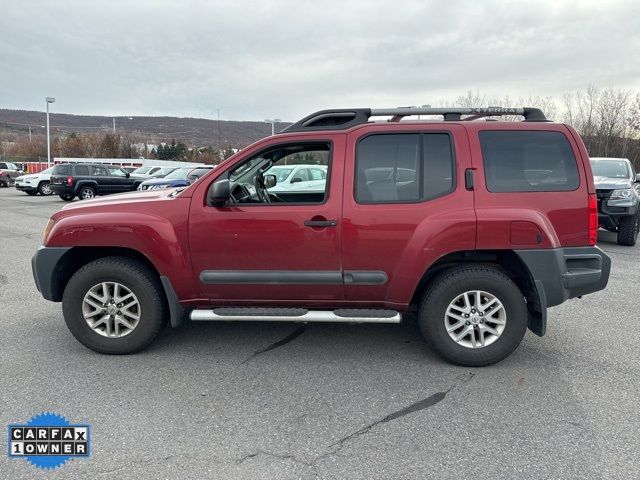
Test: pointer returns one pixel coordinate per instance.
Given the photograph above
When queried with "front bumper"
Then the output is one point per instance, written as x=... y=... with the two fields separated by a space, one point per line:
x=564 y=273
x=25 y=187
x=46 y=266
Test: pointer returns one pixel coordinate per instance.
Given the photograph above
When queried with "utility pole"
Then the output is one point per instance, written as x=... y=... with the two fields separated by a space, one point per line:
x=114 y=125
x=219 y=144
x=49 y=100
x=29 y=133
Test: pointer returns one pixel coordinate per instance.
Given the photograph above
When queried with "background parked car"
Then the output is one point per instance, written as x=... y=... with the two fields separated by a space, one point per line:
x=198 y=172
x=84 y=180
x=177 y=178
x=298 y=177
x=152 y=172
x=8 y=173
x=618 y=199
x=180 y=177
x=35 y=183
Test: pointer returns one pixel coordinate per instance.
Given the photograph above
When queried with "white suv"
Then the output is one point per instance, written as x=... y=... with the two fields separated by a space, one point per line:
x=35 y=183
x=290 y=178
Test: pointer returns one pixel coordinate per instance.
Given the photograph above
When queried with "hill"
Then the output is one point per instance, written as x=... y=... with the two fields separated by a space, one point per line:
x=192 y=131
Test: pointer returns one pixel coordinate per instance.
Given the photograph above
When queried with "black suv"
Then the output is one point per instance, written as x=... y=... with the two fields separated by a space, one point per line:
x=618 y=198
x=86 y=180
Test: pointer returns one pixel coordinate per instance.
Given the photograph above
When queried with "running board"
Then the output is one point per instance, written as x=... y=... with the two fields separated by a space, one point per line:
x=248 y=314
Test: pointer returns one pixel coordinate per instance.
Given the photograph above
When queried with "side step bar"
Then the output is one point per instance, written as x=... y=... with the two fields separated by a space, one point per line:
x=250 y=314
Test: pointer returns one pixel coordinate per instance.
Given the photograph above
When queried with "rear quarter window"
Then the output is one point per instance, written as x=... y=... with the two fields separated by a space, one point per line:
x=520 y=161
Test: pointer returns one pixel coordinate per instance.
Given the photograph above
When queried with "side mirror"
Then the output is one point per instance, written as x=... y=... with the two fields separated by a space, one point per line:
x=270 y=180
x=296 y=180
x=219 y=193
x=127 y=174
x=638 y=177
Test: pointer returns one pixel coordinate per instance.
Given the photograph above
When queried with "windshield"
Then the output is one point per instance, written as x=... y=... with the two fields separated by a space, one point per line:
x=142 y=170
x=48 y=170
x=281 y=173
x=180 y=174
x=610 y=168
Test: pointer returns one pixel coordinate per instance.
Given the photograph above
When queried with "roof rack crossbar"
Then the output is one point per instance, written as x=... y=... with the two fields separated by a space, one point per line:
x=341 y=119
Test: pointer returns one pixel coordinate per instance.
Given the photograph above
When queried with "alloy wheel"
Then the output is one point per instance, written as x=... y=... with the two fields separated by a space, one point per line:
x=475 y=319
x=111 y=309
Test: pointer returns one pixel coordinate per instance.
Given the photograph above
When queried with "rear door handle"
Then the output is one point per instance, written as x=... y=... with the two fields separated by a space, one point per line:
x=320 y=223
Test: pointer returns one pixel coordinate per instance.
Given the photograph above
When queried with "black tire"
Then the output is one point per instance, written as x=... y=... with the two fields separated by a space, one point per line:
x=4 y=183
x=138 y=278
x=67 y=197
x=628 y=230
x=86 y=193
x=30 y=193
x=453 y=282
x=44 y=190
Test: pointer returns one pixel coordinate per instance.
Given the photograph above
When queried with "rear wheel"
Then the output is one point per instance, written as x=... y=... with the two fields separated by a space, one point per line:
x=473 y=315
x=86 y=193
x=67 y=197
x=628 y=230
x=114 y=305
x=44 y=188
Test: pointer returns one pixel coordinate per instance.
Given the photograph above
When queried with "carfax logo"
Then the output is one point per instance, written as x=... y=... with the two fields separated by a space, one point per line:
x=48 y=441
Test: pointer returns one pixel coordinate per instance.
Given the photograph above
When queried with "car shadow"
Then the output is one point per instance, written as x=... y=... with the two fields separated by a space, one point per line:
x=244 y=343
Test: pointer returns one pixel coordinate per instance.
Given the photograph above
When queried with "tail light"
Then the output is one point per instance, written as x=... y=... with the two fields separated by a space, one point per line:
x=69 y=180
x=593 y=219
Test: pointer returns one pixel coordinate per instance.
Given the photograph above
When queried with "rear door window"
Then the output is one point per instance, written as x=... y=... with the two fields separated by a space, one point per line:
x=82 y=170
x=404 y=167
x=521 y=161
x=99 y=171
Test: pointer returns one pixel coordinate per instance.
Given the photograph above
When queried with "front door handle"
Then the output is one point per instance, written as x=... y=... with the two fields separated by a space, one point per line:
x=320 y=223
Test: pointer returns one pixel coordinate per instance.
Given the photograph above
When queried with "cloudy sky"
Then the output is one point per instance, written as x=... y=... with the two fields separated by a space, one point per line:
x=284 y=59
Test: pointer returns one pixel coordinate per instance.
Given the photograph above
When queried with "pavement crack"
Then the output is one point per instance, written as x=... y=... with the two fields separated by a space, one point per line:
x=289 y=338
x=414 y=407
x=285 y=456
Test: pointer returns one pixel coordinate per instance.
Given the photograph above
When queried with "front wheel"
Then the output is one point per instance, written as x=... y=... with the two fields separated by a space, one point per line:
x=44 y=188
x=473 y=315
x=628 y=231
x=114 y=305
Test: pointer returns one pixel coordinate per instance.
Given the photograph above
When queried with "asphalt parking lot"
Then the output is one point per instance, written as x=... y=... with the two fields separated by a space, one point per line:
x=255 y=400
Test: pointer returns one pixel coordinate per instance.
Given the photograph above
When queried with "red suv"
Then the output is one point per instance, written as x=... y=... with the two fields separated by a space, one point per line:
x=479 y=225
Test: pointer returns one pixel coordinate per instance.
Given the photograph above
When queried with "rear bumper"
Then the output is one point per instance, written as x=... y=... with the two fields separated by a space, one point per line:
x=564 y=273
x=61 y=189
x=45 y=265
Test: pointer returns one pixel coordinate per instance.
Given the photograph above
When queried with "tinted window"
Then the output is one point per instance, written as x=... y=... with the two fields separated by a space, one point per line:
x=99 y=171
x=394 y=168
x=528 y=162
x=117 y=172
x=3 y=166
x=82 y=170
x=61 y=169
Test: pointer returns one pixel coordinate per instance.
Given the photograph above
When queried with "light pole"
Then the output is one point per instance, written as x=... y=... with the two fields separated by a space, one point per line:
x=273 y=125
x=49 y=100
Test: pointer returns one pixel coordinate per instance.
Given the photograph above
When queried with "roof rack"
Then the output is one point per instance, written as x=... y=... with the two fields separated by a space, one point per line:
x=341 y=119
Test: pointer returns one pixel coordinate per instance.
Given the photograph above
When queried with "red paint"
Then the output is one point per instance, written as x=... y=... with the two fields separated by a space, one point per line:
x=182 y=236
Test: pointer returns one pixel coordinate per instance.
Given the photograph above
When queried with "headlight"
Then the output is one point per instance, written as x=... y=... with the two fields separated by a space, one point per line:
x=622 y=193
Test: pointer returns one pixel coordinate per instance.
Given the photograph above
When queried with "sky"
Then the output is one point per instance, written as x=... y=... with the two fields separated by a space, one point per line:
x=285 y=59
